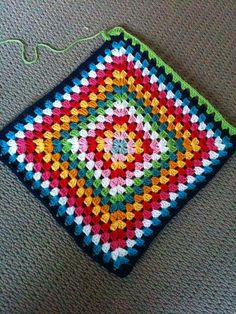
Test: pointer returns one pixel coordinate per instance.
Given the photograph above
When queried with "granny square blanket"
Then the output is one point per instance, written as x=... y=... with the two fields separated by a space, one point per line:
x=117 y=149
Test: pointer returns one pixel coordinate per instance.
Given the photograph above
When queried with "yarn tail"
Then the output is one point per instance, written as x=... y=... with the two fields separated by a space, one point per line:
x=36 y=49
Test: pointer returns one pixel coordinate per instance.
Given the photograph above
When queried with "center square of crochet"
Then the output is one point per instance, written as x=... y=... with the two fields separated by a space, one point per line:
x=117 y=149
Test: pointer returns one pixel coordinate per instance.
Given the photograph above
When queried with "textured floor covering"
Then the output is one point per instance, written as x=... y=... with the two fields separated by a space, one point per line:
x=189 y=266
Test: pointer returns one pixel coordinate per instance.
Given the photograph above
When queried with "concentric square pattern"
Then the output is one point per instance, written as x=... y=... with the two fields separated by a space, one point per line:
x=116 y=150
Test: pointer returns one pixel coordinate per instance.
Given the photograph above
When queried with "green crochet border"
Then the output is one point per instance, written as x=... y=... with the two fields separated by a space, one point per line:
x=176 y=78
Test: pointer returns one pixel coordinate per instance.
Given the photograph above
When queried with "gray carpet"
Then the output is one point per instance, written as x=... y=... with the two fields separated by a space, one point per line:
x=189 y=267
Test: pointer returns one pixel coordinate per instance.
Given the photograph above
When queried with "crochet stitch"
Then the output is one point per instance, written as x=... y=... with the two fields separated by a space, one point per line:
x=117 y=149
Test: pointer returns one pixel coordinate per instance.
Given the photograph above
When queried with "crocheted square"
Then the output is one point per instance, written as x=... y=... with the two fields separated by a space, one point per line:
x=117 y=149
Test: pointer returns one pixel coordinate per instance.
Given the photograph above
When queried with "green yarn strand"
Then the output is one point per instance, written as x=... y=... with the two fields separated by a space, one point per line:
x=49 y=47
